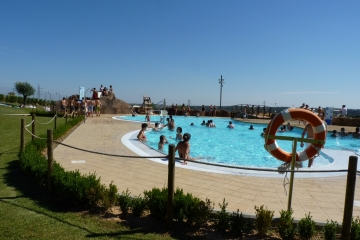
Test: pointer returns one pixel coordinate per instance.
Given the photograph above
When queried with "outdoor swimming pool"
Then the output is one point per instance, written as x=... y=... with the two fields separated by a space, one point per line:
x=239 y=146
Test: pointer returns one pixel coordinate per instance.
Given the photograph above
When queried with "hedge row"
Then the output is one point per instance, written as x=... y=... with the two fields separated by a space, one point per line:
x=83 y=191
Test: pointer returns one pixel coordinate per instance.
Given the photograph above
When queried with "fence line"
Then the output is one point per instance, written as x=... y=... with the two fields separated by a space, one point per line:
x=47 y=122
x=34 y=135
x=29 y=124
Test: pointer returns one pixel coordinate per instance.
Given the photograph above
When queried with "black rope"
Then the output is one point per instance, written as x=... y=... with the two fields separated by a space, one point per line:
x=210 y=164
x=263 y=169
x=109 y=154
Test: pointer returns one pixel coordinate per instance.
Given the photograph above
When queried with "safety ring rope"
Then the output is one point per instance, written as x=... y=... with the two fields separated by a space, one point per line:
x=29 y=124
x=47 y=122
x=34 y=135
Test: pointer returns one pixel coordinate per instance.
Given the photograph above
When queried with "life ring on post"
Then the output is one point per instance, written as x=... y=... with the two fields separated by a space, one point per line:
x=318 y=125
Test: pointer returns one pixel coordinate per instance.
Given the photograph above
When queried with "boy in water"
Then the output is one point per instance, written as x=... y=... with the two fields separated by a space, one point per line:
x=184 y=148
x=141 y=136
x=162 y=142
x=334 y=134
x=156 y=128
x=230 y=125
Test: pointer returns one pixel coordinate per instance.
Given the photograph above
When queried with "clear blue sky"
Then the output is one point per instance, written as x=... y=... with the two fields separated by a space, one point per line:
x=283 y=52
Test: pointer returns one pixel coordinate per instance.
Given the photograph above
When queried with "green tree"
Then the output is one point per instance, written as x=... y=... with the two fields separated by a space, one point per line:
x=25 y=89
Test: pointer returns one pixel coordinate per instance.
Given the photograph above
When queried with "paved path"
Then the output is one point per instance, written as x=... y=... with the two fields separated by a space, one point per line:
x=323 y=197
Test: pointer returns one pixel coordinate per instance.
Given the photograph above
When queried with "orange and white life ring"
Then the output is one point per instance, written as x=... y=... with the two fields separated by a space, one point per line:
x=289 y=114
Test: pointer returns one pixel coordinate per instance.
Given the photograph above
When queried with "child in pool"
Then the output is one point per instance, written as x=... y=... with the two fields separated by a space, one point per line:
x=162 y=142
x=179 y=135
x=141 y=136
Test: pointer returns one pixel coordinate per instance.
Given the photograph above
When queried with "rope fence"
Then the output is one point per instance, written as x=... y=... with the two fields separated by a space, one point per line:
x=46 y=122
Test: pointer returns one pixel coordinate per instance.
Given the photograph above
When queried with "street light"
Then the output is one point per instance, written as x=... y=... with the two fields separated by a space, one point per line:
x=221 y=82
x=45 y=96
x=57 y=93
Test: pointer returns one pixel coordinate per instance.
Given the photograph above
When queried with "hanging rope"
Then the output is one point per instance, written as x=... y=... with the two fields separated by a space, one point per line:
x=46 y=122
x=29 y=124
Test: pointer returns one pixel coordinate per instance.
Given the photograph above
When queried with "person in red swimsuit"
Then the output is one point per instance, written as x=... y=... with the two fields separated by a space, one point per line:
x=141 y=136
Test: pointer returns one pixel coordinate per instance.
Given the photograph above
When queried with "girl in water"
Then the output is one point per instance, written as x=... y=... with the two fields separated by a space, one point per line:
x=162 y=142
x=141 y=136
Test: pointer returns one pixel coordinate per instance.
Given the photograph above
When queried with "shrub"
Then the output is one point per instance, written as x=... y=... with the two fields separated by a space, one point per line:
x=108 y=196
x=286 y=227
x=181 y=204
x=263 y=219
x=199 y=211
x=12 y=99
x=138 y=206
x=156 y=200
x=2 y=97
x=330 y=230
x=306 y=227
x=355 y=229
x=223 y=218
x=238 y=223
x=124 y=201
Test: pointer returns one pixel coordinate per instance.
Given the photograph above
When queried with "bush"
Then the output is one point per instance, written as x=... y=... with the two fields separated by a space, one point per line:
x=237 y=223
x=263 y=219
x=156 y=200
x=69 y=186
x=330 y=230
x=138 y=206
x=223 y=218
x=306 y=227
x=199 y=211
x=124 y=201
x=286 y=227
x=181 y=204
x=2 y=97
x=355 y=229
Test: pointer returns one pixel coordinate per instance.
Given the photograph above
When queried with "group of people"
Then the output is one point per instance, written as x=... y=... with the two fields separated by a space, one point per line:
x=212 y=110
x=183 y=145
x=343 y=133
x=103 y=90
x=184 y=110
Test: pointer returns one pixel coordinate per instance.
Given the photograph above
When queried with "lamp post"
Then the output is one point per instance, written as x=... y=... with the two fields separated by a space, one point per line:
x=57 y=93
x=221 y=82
x=275 y=107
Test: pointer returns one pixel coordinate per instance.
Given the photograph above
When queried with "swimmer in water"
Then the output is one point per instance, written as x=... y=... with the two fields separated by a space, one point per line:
x=162 y=142
x=179 y=135
x=184 y=148
x=230 y=125
x=141 y=136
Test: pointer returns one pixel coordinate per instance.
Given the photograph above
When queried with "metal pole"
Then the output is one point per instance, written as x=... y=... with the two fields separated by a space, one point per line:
x=293 y=160
x=33 y=129
x=50 y=158
x=171 y=181
x=22 y=135
x=349 y=197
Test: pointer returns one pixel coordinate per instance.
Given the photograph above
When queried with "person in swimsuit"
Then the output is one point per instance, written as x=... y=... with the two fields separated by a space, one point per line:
x=203 y=109
x=97 y=107
x=184 y=148
x=262 y=134
x=210 y=110
x=171 y=125
x=162 y=142
x=179 y=135
x=156 y=128
x=310 y=135
x=214 y=111
x=141 y=136
x=147 y=117
x=334 y=134
x=63 y=104
x=230 y=125
x=203 y=123
x=356 y=134
x=251 y=127
x=343 y=133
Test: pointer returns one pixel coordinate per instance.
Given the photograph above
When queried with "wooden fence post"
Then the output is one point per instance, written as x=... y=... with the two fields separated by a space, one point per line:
x=55 y=120
x=171 y=181
x=33 y=129
x=50 y=158
x=22 y=135
x=349 y=197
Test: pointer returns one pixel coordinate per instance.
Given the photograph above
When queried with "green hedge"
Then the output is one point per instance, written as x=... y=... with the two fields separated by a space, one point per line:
x=84 y=191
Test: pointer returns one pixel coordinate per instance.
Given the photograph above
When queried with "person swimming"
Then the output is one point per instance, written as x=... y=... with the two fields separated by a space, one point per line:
x=230 y=125
x=179 y=135
x=262 y=134
x=251 y=127
x=162 y=142
x=334 y=134
x=203 y=123
x=141 y=136
x=156 y=128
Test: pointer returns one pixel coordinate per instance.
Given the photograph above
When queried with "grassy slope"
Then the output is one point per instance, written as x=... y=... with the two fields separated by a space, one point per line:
x=25 y=211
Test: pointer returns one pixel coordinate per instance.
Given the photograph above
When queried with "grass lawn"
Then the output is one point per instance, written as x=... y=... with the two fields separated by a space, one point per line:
x=25 y=210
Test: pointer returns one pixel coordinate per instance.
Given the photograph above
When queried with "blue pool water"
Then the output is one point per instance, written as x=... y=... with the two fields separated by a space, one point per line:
x=239 y=146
